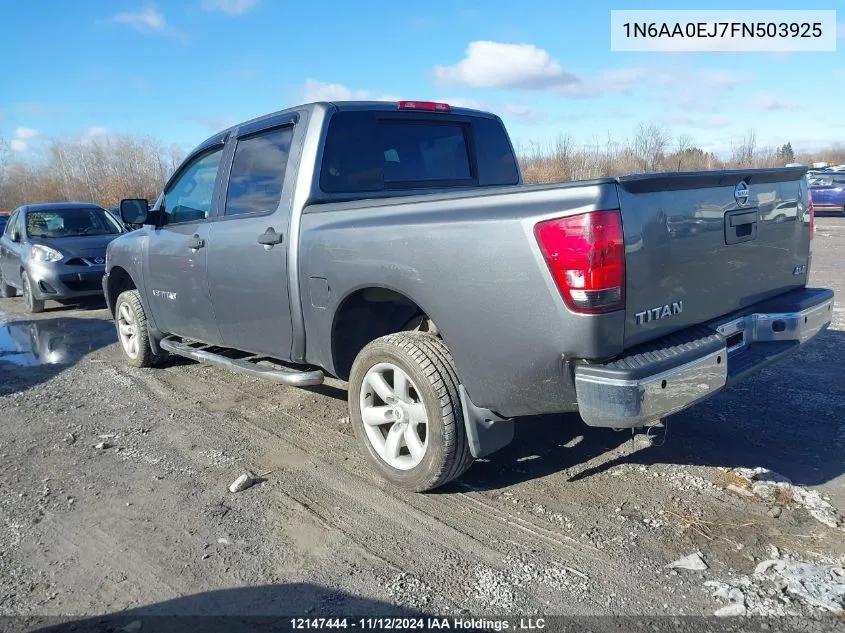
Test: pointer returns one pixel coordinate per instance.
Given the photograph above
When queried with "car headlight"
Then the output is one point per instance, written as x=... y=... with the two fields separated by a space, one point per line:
x=43 y=253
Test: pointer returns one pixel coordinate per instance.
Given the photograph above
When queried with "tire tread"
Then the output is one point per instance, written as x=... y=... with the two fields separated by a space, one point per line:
x=432 y=357
x=146 y=357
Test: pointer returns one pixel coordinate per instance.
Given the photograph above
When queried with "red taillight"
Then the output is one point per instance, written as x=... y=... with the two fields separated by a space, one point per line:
x=812 y=213
x=424 y=105
x=586 y=256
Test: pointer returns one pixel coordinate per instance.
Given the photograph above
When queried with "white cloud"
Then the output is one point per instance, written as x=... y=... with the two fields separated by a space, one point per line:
x=94 y=132
x=499 y=65
x=718 y=79
x=522 y=112
x=32 y=109
x=700 y=87
x=22 y=135
x=213 y=123
x=148 y=20
x=609 y=81
x=489 y=64
x=623 y=78
x=463 y=102
x=321 y=91
x=698 y=122
x=774 y=103
x=25 y=132
x=230 y=7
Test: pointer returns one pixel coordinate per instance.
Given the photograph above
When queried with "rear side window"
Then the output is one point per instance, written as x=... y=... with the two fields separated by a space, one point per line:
x=258 y=172
x=377 y=151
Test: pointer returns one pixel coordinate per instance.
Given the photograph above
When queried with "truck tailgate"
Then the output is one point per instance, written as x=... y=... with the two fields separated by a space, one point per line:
x=702 y=245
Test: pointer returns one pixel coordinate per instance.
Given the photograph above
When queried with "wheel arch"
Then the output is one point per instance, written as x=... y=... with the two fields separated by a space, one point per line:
x=119 y=280
x=368 y=312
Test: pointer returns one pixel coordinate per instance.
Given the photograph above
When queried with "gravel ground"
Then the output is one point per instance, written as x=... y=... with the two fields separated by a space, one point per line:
x=567 y=520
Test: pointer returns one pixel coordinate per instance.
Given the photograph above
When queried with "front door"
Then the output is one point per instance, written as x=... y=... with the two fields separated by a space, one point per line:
x=176 y=278
x=247 y=266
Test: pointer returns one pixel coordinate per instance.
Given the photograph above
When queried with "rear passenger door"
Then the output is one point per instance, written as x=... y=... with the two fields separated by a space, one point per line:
x=248 y=246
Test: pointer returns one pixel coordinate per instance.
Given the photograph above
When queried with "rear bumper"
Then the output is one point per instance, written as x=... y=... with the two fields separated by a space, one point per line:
x=660 y=378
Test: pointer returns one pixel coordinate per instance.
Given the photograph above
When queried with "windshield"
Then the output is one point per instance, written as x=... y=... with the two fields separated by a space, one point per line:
x=70 y=222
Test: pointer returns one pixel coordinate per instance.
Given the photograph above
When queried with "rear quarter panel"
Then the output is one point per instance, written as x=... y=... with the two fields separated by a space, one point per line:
x=471 y=263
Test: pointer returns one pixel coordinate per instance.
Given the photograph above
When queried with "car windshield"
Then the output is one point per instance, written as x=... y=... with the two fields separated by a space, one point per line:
x=70 y=222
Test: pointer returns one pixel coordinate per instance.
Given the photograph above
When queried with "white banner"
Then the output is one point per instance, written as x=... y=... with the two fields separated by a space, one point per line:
x=723 y=30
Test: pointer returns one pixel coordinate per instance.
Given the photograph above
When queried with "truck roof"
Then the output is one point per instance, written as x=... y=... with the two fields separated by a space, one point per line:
x=386 y=106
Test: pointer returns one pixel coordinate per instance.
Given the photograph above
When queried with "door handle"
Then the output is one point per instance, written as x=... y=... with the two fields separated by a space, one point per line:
x=270 y=237
x=197 y=243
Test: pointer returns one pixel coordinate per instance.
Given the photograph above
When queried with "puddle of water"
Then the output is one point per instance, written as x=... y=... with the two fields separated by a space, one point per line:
x=50 y=341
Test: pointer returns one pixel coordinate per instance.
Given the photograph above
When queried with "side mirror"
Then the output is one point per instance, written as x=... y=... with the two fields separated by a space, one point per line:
x=16 y=237
x=134 y=210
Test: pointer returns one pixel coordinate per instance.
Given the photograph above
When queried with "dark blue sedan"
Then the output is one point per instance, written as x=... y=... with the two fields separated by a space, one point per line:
x=828 y=191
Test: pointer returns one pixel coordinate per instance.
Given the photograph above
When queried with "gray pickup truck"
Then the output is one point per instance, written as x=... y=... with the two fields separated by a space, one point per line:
x=394 y=246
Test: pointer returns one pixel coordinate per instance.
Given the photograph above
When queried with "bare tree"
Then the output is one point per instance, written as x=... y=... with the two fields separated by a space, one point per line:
x=684 y=143
x=102 y=169
x=744 y=152
x=649 y=146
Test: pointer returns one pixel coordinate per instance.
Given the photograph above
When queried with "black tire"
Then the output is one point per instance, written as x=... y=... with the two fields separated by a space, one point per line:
x=428 y=362
x=32 y=305
x=144 y=356
x=6 y=291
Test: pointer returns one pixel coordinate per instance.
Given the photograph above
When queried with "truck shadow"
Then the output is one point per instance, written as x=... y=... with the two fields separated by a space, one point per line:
x=34 y=351
x=787 y=418
x=258 y=608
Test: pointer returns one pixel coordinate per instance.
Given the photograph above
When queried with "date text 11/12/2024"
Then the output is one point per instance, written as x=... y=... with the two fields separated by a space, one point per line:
x=431 y=623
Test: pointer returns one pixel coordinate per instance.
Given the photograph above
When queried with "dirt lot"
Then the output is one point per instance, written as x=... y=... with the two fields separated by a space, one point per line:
x=567 y=520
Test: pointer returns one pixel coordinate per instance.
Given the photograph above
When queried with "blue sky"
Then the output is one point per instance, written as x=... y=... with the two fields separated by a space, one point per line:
x=182 y=69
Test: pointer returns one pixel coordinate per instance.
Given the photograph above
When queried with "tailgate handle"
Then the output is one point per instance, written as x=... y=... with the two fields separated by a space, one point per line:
x=740 y=226
x=745 y=218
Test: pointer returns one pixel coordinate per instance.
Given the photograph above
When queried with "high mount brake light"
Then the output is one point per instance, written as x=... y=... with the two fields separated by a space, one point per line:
x=431 y=106
x=586 y=255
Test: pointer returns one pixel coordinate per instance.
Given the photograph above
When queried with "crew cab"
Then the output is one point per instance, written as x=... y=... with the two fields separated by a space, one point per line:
x=395 y=246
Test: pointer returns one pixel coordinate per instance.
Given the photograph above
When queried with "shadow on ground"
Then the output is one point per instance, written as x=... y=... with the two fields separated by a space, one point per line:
x=260 y=608
x=787 y=417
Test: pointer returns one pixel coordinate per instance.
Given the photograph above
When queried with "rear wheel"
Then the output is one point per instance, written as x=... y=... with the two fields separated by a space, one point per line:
x=31 y=303
x=132 y=333
x=406 y=411
x=6 y=291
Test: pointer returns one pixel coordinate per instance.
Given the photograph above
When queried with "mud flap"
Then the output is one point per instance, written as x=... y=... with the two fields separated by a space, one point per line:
x=487 y=432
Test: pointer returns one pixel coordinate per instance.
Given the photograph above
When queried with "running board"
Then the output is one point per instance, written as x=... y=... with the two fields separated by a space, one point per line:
x=284 y=376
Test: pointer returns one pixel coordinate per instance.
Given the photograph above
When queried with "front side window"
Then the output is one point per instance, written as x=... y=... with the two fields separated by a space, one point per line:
x=190 y=197
x=258 y=172
x=70 y=222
